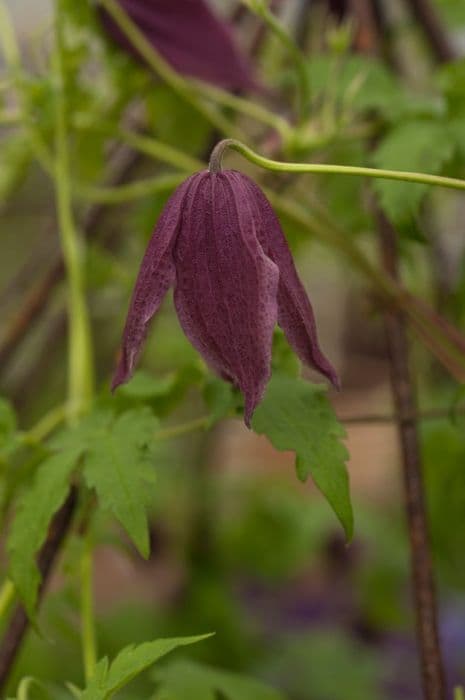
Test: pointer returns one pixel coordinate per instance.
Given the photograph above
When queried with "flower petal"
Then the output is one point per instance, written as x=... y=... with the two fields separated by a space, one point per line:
x=295 y=313
x=226 y=287
x=156 y=275
x=190 y=37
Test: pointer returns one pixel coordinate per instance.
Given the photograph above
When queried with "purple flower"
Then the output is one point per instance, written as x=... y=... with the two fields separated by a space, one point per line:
x=190 y=37
x=220 y=244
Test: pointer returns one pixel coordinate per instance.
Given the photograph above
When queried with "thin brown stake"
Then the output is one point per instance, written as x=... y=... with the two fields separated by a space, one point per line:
x=424 y=592
x=427 y=17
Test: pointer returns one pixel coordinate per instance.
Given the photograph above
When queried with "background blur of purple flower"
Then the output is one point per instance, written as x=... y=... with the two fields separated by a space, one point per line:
x=187 y=33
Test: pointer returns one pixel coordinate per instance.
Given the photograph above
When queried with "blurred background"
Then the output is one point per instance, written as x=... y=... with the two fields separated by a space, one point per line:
x=239 y=545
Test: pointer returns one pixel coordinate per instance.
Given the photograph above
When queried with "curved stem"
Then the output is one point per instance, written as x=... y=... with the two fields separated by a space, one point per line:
x=319 y=168
x=298 y=57
x=247 y=107
x=162 y=68
x=162 y=151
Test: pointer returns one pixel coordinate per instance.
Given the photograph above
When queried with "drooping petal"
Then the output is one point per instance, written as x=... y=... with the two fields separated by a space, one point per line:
x=295 y=313
x=156 y=275
x=190 y=37
x=226 y=286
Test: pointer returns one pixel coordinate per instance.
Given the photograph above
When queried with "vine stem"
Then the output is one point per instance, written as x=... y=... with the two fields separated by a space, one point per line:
x=162 y=68
x=424 y=593
x=80 y=367
x=326 y=168
x=89 y=646
x=80 y=354
x=262 y=10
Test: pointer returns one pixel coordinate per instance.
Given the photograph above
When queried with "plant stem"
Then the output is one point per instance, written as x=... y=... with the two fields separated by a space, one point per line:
x=7 y=596
x=319 y=168
x=424 y=593
x=160 y=151
x=131 y=191
x=81 y=378
x=88 y=640
x=18 y=625
x=183 y=428
x=162 y=68
x=80 y=368
x=262 y=10
x=247 y=107
x=8 y=40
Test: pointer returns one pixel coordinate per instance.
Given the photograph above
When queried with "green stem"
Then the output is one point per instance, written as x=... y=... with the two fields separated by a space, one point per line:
x=8 y=40
x=459 y=694
x=162 y=68
x=80 y=370
x=183 y=428
x=247 y=107
x=46 y=425
x=89 y=645
x=319 y=168
x=7 y=597
x=161 y=151
x=262 y=10
x=127 y=193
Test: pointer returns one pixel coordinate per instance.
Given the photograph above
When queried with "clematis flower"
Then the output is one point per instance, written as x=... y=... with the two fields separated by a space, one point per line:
x=219 y=243
x=190 y=37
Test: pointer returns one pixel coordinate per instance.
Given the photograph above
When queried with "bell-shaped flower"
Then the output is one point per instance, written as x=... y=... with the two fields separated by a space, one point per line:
x=219 y=243
x=190 y=37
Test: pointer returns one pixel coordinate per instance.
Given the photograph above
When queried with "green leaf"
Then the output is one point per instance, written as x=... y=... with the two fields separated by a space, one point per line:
x=30 y=526
x=145 y=386
x=296 y=415
x=117 y=462
x=185 y=679
x=220 y=399
x=130 y=662
x=9 y=439
x=421 y=145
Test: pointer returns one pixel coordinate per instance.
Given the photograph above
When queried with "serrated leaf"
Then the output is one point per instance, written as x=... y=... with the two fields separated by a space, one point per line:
x=117 y=465
x=185 y=679
x=422 y=145
x=130 y=662
x=296 y=415
x=30 y=526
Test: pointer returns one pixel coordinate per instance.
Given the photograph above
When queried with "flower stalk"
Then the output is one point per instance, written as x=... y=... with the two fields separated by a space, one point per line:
x=326 y=168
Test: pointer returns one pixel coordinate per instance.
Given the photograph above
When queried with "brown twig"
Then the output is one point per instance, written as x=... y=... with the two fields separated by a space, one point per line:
x=19 y=622
x=424 y=593
x=427 y=17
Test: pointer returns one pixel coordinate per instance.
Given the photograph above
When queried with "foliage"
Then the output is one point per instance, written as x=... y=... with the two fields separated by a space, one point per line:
x=296 y=416
x=258 y=560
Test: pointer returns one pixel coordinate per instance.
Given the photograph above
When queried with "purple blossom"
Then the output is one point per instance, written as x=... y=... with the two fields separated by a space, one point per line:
x=190 y=37
x=220 y=244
